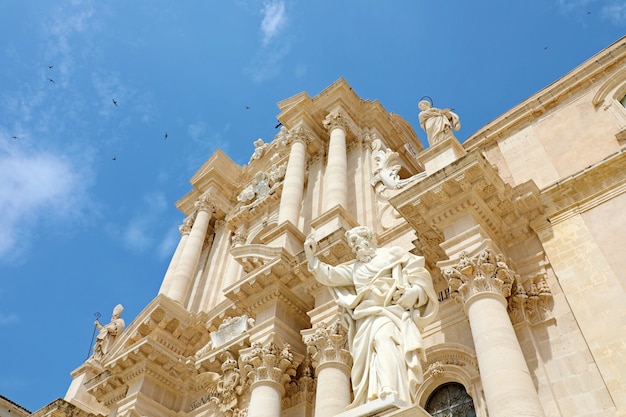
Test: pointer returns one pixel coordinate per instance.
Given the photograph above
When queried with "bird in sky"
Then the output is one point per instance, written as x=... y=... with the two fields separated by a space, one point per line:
x=15 y=137
x=114 y=158
x=247 y=107
x=51 y=80
x=278 y=125
x=114 y=102
x=50 y=66
x=165 y=136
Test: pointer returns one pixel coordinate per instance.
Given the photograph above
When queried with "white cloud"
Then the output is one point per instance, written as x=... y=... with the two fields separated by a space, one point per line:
x=274 y=19
x=615 y=12
x=35 y=186
x=67 y=20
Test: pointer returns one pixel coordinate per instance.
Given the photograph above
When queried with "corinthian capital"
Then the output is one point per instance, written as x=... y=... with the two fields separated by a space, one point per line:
x=335 y=119
x=204 y=203
x=300 y=134
x=328 y=344
x=185 y=228
x=482 y=273
x=268 y=363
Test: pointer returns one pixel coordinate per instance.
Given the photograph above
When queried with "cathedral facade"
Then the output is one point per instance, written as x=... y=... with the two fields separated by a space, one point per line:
x=522 y=228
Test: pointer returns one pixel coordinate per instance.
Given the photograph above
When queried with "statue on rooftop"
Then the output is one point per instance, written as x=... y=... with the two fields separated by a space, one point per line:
x=388 y=298
x=437 y=123
x=108 y=333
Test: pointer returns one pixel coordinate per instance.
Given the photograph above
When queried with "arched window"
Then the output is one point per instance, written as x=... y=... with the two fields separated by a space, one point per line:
x=450 y=400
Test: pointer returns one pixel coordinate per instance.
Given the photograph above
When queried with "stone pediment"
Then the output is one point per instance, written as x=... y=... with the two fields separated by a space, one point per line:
x=169 y=323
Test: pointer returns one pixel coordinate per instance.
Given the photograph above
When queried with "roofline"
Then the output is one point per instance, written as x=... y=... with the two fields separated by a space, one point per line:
x=548 y=97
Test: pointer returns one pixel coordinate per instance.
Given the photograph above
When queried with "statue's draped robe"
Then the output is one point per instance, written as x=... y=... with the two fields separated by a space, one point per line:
x=438 y=124
x=366 y=291
x=107 y=336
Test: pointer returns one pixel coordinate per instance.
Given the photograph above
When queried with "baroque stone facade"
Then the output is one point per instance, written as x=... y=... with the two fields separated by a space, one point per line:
x=522 y=227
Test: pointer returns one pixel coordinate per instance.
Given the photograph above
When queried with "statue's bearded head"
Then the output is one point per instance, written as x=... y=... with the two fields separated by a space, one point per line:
x=363 y=243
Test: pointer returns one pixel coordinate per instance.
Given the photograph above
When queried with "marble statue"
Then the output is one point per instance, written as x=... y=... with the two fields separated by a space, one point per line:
x=437 y=123
x=108 y=333
x=388 y=297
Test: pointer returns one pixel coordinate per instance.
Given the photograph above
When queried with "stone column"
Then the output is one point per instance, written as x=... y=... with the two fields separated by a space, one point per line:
x=268 y=368
x=293 y=185
x=483 y=284
x=191 y=252
x=336 y=176
x=184 y=229
x=328 y=346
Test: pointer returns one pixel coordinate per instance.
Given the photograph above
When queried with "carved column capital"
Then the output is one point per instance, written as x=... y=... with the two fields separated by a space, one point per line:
x=300 y=134
x=204 y=204
x=530 y=301
x=328 y=344
x=268 y=363
x=334 y=120
x=185 y=228
x=484 y=273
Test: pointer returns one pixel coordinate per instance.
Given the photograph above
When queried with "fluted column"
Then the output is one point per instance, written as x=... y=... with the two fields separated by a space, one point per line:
x=268 y=369
x=336 y=176
x=184 y=229
x=483 y=284
x=328 y=346
x=191 y=252
x=293 y=185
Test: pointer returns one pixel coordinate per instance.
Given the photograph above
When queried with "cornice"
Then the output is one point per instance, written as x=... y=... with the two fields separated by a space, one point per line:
x=606 y=61
x=469 y=185
x=583 y=190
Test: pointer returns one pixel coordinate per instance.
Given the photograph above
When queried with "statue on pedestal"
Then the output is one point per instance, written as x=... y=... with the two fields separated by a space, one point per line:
x=388 y=297
x=437 y=123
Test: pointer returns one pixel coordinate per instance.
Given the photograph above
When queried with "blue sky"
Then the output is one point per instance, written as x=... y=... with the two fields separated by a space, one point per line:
x=87 y=187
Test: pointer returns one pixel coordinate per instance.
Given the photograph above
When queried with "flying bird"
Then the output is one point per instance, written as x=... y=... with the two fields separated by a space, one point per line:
x=50 y=66
x=114 y=158
x=51 y=80
x=247 y=107
x=15 y=137
x=114 y=102
x=165 y=136
x=278 y=125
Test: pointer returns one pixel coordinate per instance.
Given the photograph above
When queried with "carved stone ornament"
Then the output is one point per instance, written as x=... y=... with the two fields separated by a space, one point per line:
x=263 y=184
x=259 y=148
x=185 y=228
x=328 y=344
x=387 y=167
x=335 y=119
x=484 y=273
x=268 y=363
x=230 y=329
x=531 y=302
x=223 y=390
